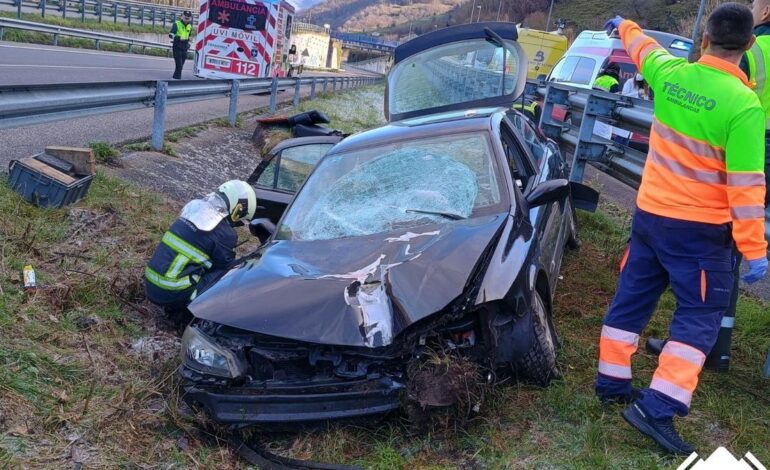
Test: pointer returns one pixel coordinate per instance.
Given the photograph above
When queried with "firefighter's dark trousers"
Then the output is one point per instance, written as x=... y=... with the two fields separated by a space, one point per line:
x=696 y=259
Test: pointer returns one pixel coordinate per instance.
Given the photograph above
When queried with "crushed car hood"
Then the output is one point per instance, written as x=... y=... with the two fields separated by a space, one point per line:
x=359 y=291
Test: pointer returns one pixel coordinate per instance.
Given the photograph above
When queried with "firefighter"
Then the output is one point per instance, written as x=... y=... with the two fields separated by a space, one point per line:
x=754 y=64
x=180 y=34
x=608 y=79
x=199 y=247
x=703 y=187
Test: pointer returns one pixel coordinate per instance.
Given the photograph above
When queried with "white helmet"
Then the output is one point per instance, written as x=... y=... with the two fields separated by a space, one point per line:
x=240 y=198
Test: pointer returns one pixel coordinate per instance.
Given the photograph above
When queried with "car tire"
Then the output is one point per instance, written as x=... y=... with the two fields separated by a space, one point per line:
x=539 y=363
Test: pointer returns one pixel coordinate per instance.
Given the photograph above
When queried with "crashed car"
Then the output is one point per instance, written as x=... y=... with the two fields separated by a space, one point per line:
x=443 y=230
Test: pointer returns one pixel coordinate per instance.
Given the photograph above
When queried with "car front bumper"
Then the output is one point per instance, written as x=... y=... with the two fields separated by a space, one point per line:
x=249 y=405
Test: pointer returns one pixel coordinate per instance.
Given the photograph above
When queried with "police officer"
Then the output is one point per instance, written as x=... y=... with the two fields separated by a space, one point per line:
x=608 y=79
x=199 y=247
x=703 y=187
x=180 y=34
x=754 y=64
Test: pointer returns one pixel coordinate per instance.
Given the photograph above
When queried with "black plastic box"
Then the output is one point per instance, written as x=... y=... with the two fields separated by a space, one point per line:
x=44 y=189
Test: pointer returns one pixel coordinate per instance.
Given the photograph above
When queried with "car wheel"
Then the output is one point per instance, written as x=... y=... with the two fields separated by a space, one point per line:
x=539 y=364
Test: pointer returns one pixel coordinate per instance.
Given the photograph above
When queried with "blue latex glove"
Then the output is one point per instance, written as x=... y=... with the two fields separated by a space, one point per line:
x=613 y=24
x=757 y=270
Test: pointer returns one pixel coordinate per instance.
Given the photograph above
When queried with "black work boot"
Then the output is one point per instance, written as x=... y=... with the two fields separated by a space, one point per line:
x=661 y=431
x=655 y=345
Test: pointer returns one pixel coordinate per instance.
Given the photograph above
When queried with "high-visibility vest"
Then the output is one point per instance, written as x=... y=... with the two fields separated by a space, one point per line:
x=758 y=58
x=183 y=30
x=707 y=142
x=606 y=82
x=176 y=255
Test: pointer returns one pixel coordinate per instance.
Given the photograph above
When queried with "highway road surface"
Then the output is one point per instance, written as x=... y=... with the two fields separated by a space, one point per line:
x=26 y=64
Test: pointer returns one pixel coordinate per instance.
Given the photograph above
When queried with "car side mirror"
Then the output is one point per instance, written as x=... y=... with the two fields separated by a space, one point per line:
x=550 y=191
x=262 y=229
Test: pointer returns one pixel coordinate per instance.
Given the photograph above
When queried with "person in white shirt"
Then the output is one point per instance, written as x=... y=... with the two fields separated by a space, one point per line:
x=636 y=88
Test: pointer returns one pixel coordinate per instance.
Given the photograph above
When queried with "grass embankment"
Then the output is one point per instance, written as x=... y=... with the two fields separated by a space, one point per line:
x=87 y=368
x=17 y=35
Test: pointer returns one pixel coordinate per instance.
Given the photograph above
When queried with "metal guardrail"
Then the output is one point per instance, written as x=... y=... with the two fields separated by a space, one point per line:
x=116 y=10
x=24 y=105
x=614 y=155
x=57 y=31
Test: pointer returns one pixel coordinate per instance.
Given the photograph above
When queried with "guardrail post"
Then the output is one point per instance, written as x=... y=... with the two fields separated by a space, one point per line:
x=18 y=9
x=2 y=32
x=326 y=82
x=273 y=94
x=130 y=45
x=144 y=49
x=159 y=118
x=587 y=149
x=233 y=111
x=63 y=8
x=297 y=85
x=164 y=18
x=334 y=84
x=141 y=16
x=128 y=14
x=97 y=44
x=312 y=89
x=82 y=11
x=55 y=39
x=173 y=17
x=42 y=8
x=153 y=16
x=115 y=13
x=99 y=6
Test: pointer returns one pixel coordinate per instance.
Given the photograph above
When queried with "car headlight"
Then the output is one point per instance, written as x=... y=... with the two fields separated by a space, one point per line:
x=201 y=353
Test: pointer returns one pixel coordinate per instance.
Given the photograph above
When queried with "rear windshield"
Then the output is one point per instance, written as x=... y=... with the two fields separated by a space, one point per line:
x=574 y=69
x=452 y=74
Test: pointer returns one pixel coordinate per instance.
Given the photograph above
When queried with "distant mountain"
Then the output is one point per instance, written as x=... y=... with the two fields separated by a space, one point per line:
x=305 y=4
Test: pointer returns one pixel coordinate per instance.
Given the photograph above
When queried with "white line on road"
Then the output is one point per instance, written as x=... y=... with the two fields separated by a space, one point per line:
x=70 y=51
x=77 y=67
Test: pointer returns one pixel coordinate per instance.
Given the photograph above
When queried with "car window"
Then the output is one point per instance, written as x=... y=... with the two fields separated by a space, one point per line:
x=454 y=73
x=575 y=69
x=531 y=138
x=289 y=170
x=519 y=164
x=396 y=186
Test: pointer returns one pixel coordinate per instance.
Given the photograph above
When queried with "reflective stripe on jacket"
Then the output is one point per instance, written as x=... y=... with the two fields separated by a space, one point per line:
x=184 y=246
x=706 y=157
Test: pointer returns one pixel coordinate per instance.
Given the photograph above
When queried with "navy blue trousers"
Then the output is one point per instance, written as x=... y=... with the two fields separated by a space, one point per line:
x=696 y=259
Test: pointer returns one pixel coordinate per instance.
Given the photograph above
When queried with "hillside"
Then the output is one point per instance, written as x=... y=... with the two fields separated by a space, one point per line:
x=400 y=17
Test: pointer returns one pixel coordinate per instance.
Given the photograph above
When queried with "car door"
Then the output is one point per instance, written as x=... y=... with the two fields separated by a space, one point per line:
x=535 y=165
x=279 y=176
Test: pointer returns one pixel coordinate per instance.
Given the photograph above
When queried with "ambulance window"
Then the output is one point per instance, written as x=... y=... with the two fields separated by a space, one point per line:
x=577 y=70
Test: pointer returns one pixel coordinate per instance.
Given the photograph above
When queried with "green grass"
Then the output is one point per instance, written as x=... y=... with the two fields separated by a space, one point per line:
x=91 y=23
x=104 y=152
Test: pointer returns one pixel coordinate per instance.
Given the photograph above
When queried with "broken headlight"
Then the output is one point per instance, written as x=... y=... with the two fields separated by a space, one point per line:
x=201 y=353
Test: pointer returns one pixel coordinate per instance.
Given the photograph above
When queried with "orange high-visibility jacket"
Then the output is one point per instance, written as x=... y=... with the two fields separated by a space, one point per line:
x=706 y=157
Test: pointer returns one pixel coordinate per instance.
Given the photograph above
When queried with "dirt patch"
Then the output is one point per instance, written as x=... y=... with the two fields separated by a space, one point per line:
x=444 y=393
x=161 y=347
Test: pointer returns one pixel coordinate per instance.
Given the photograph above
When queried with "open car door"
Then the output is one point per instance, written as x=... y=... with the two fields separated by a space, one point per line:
x=462 y=67
x=279 y=176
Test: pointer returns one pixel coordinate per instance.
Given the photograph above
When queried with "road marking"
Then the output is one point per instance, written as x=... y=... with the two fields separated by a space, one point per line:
x=76 y=67
x=70 y=51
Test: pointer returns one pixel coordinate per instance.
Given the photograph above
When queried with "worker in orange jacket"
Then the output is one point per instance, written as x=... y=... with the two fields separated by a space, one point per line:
x=703 y=189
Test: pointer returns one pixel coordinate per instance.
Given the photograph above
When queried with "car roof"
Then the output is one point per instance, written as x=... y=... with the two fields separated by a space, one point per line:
x=424 y=126
x=598 y=43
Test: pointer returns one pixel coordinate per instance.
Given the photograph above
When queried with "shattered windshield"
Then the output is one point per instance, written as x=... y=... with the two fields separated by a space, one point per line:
x=398 y=186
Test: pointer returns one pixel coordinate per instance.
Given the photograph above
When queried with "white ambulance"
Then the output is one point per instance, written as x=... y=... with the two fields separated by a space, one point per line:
x=243 y=38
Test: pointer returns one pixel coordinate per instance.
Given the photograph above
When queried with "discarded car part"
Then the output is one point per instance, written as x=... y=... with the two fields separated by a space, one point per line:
x=312 y=130
x=265 y=460
x=47 y=186
x=307 y=123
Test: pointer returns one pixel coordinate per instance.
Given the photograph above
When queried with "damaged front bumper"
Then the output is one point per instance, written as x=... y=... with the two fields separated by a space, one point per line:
x=296 y=403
